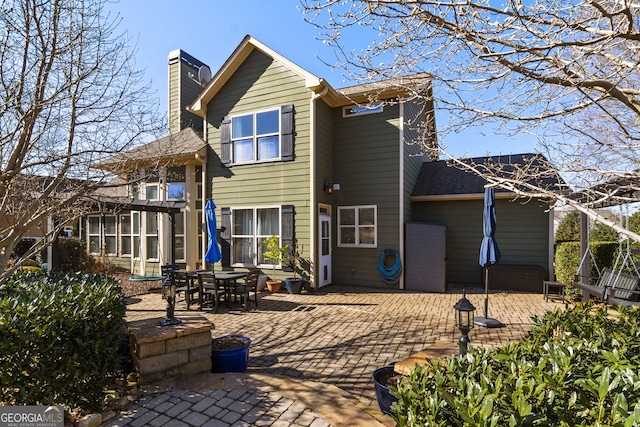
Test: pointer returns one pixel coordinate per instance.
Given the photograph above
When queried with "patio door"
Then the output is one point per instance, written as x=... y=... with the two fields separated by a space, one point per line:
x=324 y=250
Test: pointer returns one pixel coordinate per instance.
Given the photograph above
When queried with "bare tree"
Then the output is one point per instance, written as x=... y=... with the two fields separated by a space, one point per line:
x=70 y=98
x=567 y=72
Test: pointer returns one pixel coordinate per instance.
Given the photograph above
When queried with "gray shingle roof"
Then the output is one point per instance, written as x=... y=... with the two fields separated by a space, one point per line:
x=439 y=178
x=187 y=142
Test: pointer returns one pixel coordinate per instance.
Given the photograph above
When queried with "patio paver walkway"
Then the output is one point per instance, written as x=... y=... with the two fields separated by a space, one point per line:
x=312 y=355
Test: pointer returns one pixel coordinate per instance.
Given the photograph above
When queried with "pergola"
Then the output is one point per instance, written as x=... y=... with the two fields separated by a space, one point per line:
x=619 y=191
x=116 y=204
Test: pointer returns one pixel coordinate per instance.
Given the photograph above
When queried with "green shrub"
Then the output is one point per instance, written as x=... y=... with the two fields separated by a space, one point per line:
x=22 y=247
x=577 y=367
x=567 y=259
x=59 y=338
x=73 y=255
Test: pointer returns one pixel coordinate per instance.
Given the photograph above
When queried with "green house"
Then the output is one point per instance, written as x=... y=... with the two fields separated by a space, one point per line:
x=331 y=171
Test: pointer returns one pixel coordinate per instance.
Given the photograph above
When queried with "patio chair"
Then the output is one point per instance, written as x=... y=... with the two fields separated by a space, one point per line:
x=210 y=289
x=243 y=290
x=185 y=284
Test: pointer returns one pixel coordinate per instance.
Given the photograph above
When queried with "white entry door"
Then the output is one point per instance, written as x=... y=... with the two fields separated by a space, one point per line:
x=324 y=272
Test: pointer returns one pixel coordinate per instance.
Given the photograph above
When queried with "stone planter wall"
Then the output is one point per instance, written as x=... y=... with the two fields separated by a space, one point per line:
x=162 y=352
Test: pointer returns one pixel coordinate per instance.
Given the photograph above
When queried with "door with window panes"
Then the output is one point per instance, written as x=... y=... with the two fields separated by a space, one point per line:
x=324 y=249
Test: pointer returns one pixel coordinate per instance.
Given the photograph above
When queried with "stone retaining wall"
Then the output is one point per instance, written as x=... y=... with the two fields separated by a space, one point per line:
x=162 y=352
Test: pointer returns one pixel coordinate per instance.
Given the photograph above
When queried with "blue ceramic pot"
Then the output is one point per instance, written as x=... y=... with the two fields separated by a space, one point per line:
x=383 y=393
x=294 y=286
x=230 y=359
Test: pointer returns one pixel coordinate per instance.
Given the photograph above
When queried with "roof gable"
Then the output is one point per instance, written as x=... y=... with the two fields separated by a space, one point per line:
x=231 y=65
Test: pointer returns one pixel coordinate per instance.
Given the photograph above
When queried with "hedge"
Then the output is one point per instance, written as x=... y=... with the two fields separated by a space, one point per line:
x=59 y=338
x=567 y=259
x=577 y=367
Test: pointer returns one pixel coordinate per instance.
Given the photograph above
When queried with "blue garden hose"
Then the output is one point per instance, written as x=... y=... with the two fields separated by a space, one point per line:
x=390 y=275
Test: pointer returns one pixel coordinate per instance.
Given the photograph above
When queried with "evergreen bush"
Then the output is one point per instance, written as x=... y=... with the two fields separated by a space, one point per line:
x=59 y=338
x=577 y=367
x=567 y=259
x=73 y=255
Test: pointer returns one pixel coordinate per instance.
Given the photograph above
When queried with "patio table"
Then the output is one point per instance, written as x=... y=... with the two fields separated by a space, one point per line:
x=229 y=280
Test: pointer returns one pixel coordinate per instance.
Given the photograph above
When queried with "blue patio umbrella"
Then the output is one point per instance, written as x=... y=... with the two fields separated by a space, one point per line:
x=489 y=253
x=213 y=249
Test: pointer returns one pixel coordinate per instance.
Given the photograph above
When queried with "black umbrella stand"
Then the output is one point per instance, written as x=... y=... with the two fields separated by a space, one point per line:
x=485 y=320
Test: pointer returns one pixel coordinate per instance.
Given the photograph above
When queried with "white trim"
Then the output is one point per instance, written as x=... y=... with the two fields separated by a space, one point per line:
x=255 y=136
x=357 y=227
x=364 y=110
x=254 y=234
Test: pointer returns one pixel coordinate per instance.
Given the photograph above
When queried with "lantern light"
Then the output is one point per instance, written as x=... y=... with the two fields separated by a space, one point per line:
x=464 y=321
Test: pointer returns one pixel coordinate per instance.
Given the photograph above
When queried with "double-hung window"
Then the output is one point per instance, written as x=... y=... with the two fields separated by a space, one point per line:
x=357 y=226
x=94 y=228
x=151 y=232
x=250 y=227
x=126 y=245
x=110 y=235
x=256 y=137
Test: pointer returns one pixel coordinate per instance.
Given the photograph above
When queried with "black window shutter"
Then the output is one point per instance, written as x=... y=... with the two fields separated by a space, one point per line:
x=225 y=141
x=225 y=236
x=287 y=213
x=286 y=131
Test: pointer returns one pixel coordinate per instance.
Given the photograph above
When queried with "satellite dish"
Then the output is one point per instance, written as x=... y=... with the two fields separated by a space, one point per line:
x=204 y=75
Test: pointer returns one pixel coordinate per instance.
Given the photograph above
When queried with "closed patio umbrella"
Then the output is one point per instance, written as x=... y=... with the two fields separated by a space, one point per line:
x=213 y=249
x=489 y=254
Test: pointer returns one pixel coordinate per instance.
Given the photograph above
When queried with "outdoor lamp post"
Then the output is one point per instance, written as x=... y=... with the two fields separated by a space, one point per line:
x=169 y=293
x=464 y=321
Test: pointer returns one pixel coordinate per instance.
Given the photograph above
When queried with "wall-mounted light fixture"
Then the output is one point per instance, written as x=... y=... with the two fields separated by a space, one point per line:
x=328 y=187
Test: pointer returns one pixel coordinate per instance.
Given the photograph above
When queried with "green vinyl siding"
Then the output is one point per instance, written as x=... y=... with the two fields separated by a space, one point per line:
x=324 y=149
x=366 y=164
x=413 y=113
x=522 y=234
x=261 y=83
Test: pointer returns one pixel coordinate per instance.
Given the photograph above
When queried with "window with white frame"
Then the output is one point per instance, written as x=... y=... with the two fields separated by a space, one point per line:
x=179 y=236
x=151 y=191
x=110 y=235
x=151 y=232
x=357 y=226
x=126 y=240
x=176 y=177
x=256 y=137
x=359 y=110
x=135 y=233
x=250 y=227
x=199 y=192
x=94 y=235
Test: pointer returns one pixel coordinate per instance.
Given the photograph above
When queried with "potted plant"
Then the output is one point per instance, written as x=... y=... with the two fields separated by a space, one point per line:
x=294 y=285
x=276 y=254
x=230 y=353
x=384 y=380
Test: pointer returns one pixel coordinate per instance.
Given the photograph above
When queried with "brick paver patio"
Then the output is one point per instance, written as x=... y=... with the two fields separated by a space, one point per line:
x=340 y=335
